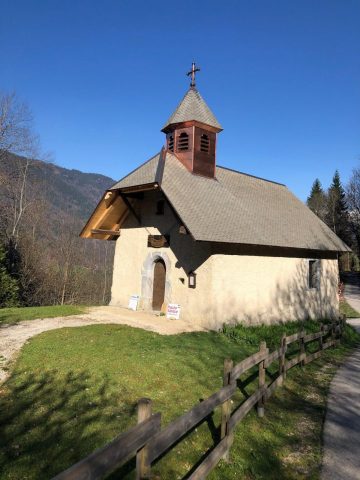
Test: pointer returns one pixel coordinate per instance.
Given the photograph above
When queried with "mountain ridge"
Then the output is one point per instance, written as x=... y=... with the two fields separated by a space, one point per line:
x=65 y=189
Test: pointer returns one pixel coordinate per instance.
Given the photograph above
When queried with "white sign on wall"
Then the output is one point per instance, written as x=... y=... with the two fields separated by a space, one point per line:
x=173 y=311
x=133 y=302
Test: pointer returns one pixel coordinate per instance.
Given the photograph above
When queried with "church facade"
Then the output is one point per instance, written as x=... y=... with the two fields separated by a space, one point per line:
x=226 y=246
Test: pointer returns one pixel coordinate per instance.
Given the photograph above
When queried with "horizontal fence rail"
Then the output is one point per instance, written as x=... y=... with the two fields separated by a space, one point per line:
x=148 y=442
x=248 y=363
x=106 y=459
x=181 y=426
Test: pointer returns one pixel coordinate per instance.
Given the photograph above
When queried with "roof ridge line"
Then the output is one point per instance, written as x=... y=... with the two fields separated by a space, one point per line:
x=249 y=175
x=135 y=170
x=160 y=167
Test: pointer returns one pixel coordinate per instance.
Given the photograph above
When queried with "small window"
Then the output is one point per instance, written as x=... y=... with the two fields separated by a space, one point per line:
x=314 y=274
x=171 y=143
x=204 y=143
x=192 y=280
x=160 y=207
x=183 y=142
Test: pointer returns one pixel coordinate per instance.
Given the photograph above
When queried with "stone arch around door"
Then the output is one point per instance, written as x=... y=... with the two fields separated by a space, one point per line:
x=147 y=279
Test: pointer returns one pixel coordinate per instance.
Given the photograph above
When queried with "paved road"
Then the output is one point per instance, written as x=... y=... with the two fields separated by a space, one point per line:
x=352 y=289
x=341 y=459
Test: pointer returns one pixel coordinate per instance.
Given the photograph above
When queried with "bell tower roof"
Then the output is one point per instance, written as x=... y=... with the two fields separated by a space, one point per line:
x=191 y=132
x=192 y=108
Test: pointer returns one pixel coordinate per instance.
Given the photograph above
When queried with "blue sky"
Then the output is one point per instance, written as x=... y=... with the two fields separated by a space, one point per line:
x=282 y=77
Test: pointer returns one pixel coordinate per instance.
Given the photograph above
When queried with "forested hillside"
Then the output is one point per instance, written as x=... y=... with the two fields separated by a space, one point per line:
x=63 y=190
x=42 y=210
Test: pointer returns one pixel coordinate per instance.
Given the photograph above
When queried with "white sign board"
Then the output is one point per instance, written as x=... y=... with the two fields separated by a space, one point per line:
x=133 y=302
x=173 y=311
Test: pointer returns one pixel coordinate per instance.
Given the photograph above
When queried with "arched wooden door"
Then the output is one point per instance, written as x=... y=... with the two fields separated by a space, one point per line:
x=159 y=284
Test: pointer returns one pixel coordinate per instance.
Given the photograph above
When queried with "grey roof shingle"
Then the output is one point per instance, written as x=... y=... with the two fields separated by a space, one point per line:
x=193 y=107
x=142 y=175
x=237 y=208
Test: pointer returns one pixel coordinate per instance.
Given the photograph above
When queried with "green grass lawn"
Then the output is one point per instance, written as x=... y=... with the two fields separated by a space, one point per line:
x=73 y=390
x=18 y=314
x=346 y=309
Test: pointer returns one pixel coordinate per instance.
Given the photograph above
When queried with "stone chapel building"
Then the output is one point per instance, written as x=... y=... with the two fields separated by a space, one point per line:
x=224 y=245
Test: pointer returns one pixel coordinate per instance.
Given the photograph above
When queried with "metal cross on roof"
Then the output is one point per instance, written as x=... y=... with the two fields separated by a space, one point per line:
x=192 y=72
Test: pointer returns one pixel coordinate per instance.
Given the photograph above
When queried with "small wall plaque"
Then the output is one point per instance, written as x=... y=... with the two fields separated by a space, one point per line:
x=133 y=302
x=158 y=241
x=173 y=311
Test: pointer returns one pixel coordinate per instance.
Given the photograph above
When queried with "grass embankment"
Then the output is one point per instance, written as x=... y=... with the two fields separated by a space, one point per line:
x=18 y=314
x=73 y=390
x=347 y=309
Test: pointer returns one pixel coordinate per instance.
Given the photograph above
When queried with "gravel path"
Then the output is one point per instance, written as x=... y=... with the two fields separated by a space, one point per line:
x=13 y=337
x=341 y=459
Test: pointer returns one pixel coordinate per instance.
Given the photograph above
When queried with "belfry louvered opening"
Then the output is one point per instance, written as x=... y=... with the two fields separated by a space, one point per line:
x=171 y=143
x=204 y=143
x=183 y=142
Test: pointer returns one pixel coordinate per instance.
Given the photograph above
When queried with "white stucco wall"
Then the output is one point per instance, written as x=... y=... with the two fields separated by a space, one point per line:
x=131 y=264
x=229 y=288
x=263 y=289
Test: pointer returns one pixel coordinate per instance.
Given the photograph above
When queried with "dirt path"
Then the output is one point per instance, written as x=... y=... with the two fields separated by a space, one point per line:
x=13 y=337
x=341 y=459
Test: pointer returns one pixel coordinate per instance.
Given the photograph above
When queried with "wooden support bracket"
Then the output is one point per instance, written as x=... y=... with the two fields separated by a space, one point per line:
x=130 y=207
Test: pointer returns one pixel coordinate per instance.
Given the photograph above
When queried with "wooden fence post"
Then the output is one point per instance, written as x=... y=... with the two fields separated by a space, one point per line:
x=282 y=370
x=343 y=323
x=302 y=348
x=262 y=373
x=226 y=406
x=321 y=341
x=143 y=466
x=333 y=334
x=338 y=330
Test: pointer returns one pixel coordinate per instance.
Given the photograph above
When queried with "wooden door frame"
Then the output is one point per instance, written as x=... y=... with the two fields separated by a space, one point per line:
x=160 y=293
x=147 y=279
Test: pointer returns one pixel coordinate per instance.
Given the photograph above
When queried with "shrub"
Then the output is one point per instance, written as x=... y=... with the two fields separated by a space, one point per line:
x=9 y=290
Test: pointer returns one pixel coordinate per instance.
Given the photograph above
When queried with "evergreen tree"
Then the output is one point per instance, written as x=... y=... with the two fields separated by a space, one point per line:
x=353 y=204
x=337 y=216
x=8 y=285
x=317 y=201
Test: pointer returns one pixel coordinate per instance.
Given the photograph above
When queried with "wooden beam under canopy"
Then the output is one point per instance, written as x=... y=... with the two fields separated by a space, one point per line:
x=103 y=231
x=130 y=207
x=112 y=210
x=107 y=218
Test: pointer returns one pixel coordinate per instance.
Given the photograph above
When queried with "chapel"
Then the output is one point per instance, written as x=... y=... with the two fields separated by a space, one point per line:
x=224 y=246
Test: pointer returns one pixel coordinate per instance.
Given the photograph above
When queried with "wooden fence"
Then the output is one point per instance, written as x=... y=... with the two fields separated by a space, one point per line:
x=148 y=442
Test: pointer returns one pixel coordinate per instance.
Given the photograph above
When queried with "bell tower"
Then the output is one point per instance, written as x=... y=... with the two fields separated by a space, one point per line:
x=191 y=132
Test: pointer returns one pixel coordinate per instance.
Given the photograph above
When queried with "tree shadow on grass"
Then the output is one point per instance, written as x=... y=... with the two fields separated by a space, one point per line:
x=49 y=422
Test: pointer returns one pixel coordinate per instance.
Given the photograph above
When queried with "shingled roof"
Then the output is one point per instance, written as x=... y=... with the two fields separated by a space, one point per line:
x=142 y=175
x=193 y=107
x=235 y=207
